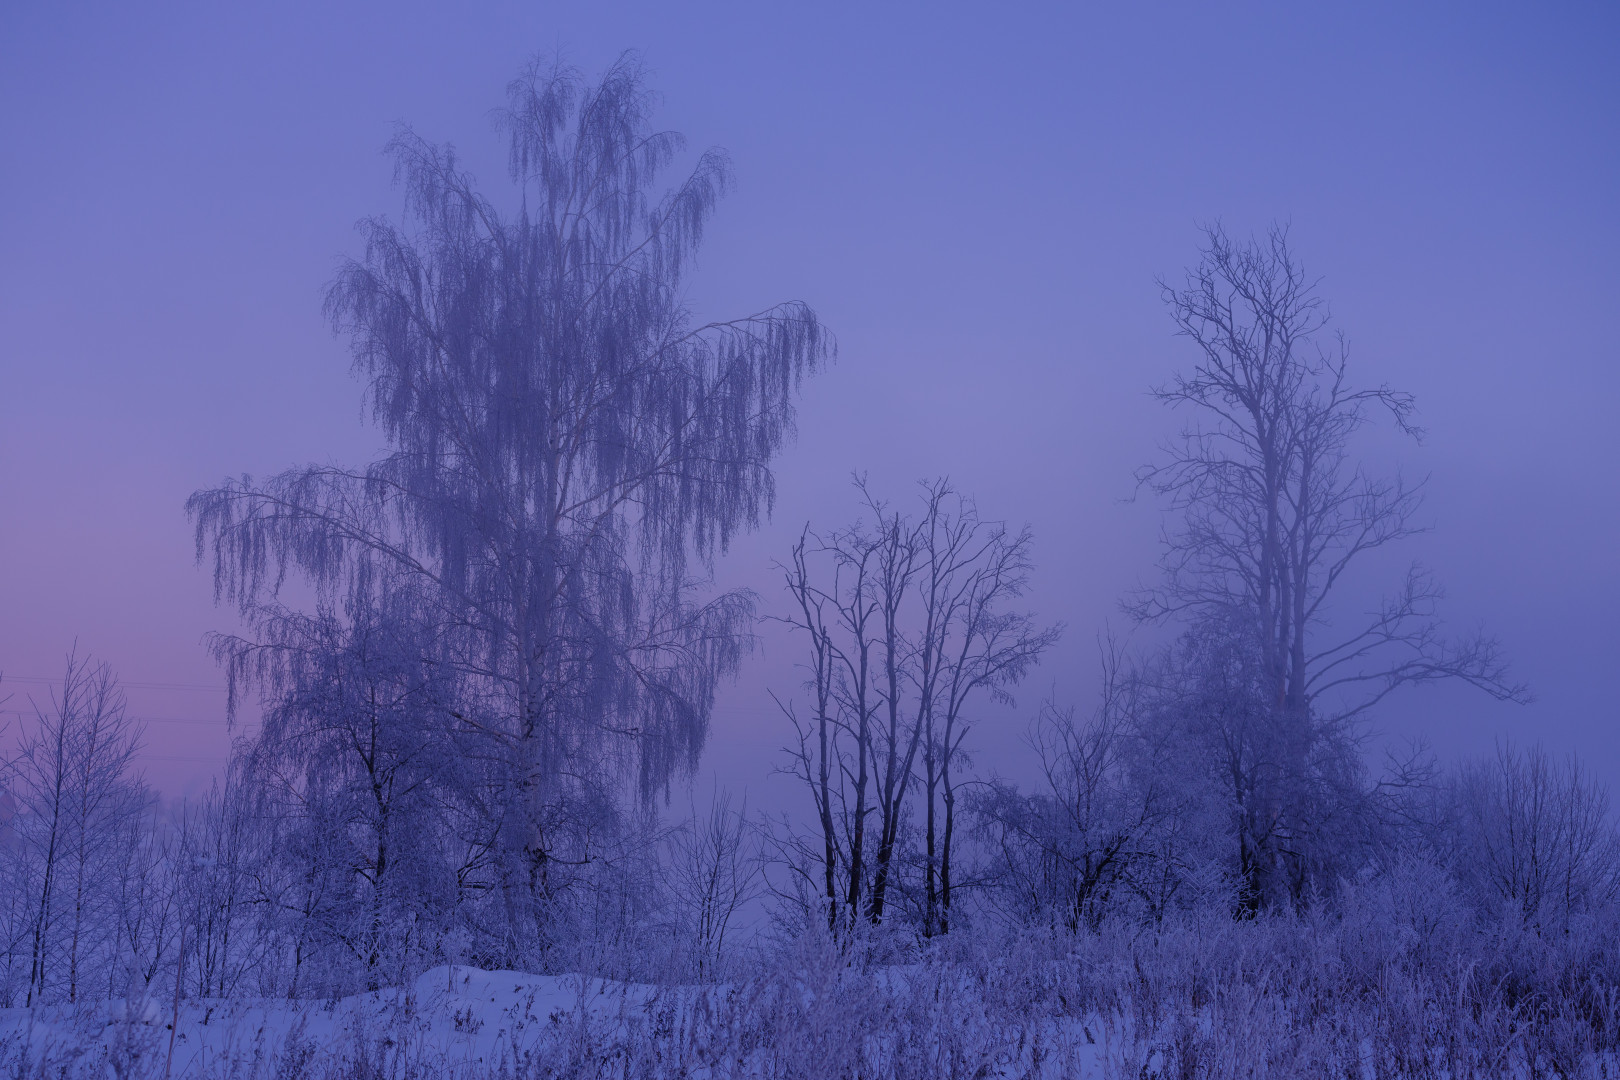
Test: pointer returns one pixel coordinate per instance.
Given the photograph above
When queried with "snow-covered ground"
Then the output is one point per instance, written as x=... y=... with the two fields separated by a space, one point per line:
x=465 y=1022
x=819 y=1015
x=453 y=1021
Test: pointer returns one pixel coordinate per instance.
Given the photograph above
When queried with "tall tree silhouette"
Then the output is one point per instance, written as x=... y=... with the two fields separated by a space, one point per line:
x=566 y=438
x=1274 y=511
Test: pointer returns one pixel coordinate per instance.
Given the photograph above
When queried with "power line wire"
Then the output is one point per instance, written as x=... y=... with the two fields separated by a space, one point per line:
x=39 y=679
x=25 y=715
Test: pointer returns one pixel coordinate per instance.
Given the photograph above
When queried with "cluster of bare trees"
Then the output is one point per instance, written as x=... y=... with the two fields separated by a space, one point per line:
x=76 y=811
x=106 y=891
x=244 y=892
x=1532 y=835
x=1229 y=762
x=908 y=625
x=510 y=653
x=305 y=875
x=1233 y=757
x=1117 y=821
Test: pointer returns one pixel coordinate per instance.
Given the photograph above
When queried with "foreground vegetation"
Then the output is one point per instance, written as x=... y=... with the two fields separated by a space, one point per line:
x=1395 y=986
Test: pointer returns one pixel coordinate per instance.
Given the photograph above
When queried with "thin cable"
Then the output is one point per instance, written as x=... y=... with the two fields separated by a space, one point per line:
x=201 y=687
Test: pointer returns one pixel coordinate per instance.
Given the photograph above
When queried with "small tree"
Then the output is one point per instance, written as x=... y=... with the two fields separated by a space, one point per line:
x=1534 y=834
x=227 y=898
x=713 y=871
x=74 y=791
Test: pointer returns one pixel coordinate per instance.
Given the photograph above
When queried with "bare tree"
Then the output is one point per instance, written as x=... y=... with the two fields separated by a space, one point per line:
x=146 y=910
x=1534 y=834
x=968 y=645
x=567 y=436
x=713 y=872
x=1275 y=510
x=907 y=625
x=1117 y=822
x=74 y=788
x=815 y=758
x=847 y=587
x=1063 y=853
x=225 y=894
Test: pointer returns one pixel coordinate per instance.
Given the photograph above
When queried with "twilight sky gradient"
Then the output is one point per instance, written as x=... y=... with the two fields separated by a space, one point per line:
x=977 y=200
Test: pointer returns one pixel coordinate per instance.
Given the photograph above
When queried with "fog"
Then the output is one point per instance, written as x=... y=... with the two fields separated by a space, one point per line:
x=977 y=208
x=987 y=212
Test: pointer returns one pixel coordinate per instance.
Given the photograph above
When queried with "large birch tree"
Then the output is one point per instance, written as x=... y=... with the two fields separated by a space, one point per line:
x=570 y=448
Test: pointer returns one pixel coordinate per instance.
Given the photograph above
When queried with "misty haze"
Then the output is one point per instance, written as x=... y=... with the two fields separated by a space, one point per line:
x=809 y=543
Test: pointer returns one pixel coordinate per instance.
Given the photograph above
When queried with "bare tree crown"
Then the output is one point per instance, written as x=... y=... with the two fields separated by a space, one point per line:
x=1274 y=509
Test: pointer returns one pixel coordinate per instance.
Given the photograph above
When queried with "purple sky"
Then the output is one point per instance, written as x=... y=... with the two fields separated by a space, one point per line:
x=976 y=204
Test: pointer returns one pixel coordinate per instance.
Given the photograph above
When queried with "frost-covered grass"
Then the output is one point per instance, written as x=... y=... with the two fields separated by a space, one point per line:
x=450 y=1022
x=1362 y=995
